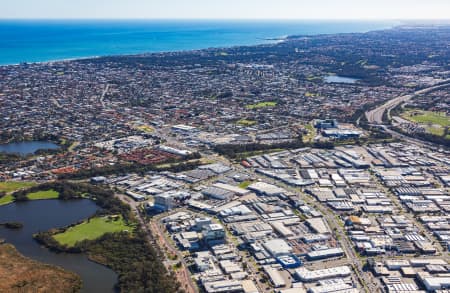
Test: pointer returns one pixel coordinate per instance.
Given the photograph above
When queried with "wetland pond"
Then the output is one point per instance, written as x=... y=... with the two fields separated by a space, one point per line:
x=43 y=215
x=27 y=147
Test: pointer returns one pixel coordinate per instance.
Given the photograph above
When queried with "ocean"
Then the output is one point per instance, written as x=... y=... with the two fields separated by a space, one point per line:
x=50 y=40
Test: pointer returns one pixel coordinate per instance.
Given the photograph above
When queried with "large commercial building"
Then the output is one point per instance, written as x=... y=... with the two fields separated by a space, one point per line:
x=324 y=253
x=306 y=275
x=225 y=286
x=326 y=124
x=213 y=232
x=263 y=188
x=184 y=129
x=275 y=277
x=218 y=193
x=163 y=201
x=433 y=283
x=277 y=247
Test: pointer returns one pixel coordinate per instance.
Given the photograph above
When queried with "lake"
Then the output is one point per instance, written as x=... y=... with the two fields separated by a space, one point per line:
x=42 y=215
x=27 y=147
x=339 y=79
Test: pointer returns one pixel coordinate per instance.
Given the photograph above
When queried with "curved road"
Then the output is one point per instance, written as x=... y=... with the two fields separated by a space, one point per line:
x=375 y=116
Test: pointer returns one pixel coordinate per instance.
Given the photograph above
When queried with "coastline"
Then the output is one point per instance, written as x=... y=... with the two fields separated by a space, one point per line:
x=179 y=40
x=273 y=41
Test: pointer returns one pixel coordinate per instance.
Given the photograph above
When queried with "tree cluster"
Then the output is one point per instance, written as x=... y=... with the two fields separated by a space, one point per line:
x=174 y=165
x=234 y=150
x=103 y=197
x=127 y=253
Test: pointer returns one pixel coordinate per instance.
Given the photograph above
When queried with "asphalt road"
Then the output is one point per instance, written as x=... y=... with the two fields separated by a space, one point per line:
x=156 y=237
x=375 y=116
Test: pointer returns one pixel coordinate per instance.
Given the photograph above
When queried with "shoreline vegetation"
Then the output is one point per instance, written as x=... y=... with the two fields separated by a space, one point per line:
x=6 y=158
x=7 y=188
x=91 y=229
x=12 y=225
x=44 y=194
x=15 y=137
x=110 y=237
x=22 y=274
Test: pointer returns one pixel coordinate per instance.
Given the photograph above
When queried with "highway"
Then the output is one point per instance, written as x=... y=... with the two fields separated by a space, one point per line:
x=409 y=139
x=375 y=116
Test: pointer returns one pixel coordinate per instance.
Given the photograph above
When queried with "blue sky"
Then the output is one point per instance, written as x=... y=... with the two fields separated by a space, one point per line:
x=227 y=9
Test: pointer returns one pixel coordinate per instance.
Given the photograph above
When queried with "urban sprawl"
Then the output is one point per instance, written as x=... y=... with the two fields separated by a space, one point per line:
x=289 y=167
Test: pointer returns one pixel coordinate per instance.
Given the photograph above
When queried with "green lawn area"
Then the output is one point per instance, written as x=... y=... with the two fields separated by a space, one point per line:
x=261 y=105
x=439 y=130
x=46 y=194
x=426 y=117
x=434 y=122
x=11 y=186
x=6 y=199
x=145 y=128
x=311 y=133
x=310 y=95
x=73 y=146
x=92 y=229
x=246 y=122
x=245 y=184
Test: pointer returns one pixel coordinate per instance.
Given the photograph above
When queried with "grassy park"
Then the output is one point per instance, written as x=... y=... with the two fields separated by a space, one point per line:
x=311 y=133
x=434 y=122
x=6 y=199
x=246 y=122
x=46 y=194
x=261 y=105
x=146 y=128
x=245 y=184
x=9 y=187
x=425 y=117
x=92 y=229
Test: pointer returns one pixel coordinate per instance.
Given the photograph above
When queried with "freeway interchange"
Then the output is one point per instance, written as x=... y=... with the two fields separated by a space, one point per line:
x=375 y=116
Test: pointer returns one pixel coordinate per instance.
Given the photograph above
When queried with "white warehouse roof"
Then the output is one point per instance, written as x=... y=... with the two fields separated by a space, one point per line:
x=277 y=247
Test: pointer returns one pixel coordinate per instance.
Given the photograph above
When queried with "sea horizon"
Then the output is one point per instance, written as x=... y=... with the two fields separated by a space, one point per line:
x=52 y=40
